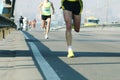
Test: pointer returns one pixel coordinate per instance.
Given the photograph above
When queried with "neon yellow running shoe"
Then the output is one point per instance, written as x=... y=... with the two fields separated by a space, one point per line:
x=70 y=54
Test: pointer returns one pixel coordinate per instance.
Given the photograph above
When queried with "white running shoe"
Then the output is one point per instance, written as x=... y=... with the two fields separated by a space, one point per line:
x=46 y=36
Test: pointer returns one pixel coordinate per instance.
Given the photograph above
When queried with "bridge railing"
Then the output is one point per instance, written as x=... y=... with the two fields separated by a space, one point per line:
x=6 y=26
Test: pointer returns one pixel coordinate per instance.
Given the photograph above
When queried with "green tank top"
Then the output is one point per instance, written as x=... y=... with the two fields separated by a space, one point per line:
x=46 y=9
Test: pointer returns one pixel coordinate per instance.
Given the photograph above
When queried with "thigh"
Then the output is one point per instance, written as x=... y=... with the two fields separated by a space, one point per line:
x=67 y=16
x=77 y=20
x=42 y=23
x=48 y=21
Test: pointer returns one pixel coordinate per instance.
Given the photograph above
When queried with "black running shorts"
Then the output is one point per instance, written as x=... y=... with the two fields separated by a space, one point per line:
x=44 y=17
x=75 y=7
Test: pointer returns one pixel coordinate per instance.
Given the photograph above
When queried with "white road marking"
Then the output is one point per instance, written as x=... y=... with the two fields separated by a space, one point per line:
x=47 y=70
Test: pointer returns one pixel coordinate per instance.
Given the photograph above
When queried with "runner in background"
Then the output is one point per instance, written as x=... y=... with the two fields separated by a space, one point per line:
x=21 y=22
x=33 y=23
x=45 y=11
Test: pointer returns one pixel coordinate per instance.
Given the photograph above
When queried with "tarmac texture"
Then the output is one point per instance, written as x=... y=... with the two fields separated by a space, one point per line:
x=97 y=55
x=16 y=62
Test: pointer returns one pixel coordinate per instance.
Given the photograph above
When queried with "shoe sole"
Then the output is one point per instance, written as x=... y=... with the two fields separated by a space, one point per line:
x=71 y=56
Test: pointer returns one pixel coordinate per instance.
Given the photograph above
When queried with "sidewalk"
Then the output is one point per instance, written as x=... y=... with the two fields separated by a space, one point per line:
x=16 y=62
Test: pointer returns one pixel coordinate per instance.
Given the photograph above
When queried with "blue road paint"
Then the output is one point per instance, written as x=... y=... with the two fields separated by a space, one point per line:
x=47 y=70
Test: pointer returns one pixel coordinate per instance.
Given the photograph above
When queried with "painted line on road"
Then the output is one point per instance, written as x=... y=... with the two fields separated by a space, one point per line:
x=47 y=70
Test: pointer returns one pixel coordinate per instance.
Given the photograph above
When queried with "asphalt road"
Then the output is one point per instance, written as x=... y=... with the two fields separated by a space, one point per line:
x=97 y=54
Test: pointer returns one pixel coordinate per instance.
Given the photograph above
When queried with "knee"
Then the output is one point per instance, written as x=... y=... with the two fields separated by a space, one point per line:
x=68 y=28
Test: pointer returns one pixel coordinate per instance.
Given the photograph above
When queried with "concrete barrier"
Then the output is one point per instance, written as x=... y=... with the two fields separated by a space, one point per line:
x=1 y=34
x=6 y=26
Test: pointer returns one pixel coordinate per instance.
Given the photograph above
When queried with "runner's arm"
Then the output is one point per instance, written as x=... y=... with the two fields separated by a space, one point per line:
x=53 y=10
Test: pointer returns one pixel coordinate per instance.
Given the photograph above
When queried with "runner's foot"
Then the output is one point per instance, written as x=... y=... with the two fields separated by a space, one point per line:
x=77 y=29
x=70 y=54
x=46 y=36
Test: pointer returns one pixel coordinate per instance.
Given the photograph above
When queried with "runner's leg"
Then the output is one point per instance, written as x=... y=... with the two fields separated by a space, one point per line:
x=68 y=33
x=77 y=21
x=68 y=21
x=47 y=27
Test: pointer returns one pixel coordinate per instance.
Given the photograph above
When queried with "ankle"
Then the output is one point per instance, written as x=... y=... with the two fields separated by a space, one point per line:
x=69 y=48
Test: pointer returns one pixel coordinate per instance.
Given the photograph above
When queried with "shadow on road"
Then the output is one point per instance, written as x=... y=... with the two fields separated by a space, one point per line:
x=64 y=71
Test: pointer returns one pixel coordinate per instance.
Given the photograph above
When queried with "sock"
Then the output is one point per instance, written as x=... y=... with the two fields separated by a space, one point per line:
x=46 y=35
x=69 y=47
